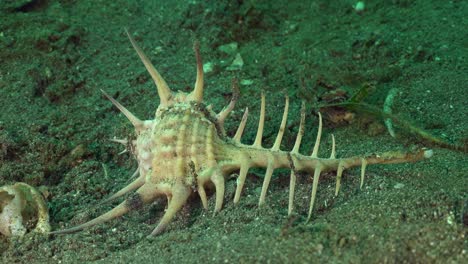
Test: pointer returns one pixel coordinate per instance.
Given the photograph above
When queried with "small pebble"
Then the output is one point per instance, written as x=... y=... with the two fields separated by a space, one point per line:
x=246 y=82
x=359 y=7
x=230 y=48
x=237 y=64
x=208 y=67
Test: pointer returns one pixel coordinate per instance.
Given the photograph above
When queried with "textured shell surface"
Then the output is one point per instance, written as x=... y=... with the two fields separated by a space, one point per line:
x=183 y=143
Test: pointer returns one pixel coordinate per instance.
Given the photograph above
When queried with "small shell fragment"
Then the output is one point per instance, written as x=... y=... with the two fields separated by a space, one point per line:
x=22 y=209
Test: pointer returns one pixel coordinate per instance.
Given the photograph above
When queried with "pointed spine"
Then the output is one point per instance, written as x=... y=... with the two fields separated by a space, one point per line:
x=333 y=152
x=317 y=172
x=266 y=181
x=339 y=174
x=279 y=137
x=244 y=168
x=319 y=136
x=261 y=123
x=137 y=123
x=240 y=129
x=197 y=93
x=363 y=171
x=221 y=117
x=295 y=151
x=164 y=92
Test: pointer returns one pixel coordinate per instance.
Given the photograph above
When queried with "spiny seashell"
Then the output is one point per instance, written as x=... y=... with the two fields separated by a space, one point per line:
x=22 y=209
x=185 y=148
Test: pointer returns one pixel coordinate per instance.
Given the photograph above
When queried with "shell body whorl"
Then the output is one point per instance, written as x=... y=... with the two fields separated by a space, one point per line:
x=184 y=143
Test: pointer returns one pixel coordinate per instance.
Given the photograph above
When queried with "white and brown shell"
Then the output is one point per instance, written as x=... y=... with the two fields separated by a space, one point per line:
x=185 y=148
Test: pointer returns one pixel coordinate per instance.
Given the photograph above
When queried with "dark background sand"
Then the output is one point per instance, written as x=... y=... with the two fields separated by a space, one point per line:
x=55 y=125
